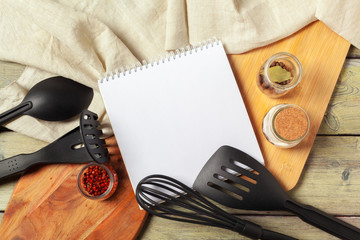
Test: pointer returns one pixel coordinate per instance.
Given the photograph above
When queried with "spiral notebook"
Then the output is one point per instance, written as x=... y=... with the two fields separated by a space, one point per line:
x=169 y=116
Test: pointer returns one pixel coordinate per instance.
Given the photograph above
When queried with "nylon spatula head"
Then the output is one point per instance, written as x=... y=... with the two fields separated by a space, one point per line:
x=91 y=135
x=235 y=179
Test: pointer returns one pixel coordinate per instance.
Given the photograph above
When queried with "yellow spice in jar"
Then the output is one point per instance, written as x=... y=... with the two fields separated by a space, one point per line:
x=291 y=123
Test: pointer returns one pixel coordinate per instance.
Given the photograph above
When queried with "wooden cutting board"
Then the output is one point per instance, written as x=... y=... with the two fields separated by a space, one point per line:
x=322 y=54
x=46 y=204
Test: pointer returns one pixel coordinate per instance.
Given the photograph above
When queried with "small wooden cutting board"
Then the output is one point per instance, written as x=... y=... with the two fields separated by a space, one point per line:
x=46 y=204
x=322 y=54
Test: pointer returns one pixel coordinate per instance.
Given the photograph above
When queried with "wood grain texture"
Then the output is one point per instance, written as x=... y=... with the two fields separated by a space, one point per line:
x=331 y=178
x=322 y=61
x=343 y=113
x=46 y=204
x=161 y=229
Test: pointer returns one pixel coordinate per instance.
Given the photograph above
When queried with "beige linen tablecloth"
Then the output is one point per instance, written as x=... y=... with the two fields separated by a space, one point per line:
x=84 y=39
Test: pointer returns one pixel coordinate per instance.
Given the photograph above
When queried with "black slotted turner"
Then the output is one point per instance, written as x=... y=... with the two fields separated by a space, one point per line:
x=235 y=179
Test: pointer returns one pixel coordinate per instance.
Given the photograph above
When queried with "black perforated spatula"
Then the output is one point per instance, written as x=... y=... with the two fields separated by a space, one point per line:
x=233 y=178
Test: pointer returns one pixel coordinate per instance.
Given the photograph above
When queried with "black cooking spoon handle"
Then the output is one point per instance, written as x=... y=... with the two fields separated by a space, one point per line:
x=15 y=112
x=17 y=164
x=323 y=221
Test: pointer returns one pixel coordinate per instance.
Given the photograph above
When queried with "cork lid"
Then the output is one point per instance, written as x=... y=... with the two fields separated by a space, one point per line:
x=291 y=123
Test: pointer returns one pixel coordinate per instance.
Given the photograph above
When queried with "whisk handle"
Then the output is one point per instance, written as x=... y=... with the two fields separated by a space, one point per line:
x=270 y=235
x=255 y=231
x=323 y=221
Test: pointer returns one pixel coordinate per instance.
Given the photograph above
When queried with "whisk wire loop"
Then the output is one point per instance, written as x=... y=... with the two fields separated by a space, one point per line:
x=201 y=204
x=195 y=206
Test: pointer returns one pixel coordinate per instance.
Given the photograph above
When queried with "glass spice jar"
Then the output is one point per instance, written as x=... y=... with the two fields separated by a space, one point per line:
x=286 y=125
x=97 y=181
x=279 y=74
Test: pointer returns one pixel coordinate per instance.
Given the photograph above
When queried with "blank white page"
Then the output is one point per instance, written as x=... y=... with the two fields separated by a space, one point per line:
x=171 y=117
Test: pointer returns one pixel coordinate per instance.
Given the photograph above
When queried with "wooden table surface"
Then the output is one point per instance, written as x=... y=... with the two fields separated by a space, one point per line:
x=330 y=180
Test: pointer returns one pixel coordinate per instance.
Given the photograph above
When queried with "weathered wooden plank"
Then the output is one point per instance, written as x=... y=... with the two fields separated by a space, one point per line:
x=163 y=229
x=331 y=178
x=343 y=112
x=353 y=52
x=9 y=72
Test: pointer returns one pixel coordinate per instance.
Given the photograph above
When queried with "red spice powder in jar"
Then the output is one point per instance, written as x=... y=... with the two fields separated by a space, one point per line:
x=291 y=123
x=95 y=180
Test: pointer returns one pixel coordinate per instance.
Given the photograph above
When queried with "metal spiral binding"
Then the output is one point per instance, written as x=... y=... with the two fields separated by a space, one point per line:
x=172 y=55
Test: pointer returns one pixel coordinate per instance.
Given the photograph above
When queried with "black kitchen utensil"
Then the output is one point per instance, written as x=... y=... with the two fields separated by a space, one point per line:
x=168 y=198
x=70 y=148
x=91 y=136
x=53 y=99
x=235 y=179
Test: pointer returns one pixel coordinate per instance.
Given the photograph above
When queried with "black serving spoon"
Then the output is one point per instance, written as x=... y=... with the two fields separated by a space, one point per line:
x=53 y=99
x=235 y=179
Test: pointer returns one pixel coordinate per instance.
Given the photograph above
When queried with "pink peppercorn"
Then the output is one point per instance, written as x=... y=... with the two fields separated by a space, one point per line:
x=94 y=181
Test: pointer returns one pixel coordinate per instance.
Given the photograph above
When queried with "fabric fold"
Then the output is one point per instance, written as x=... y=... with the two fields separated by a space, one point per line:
x=342 y=17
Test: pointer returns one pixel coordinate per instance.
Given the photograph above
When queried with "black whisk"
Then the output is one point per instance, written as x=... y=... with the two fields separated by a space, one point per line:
x=168 y=198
